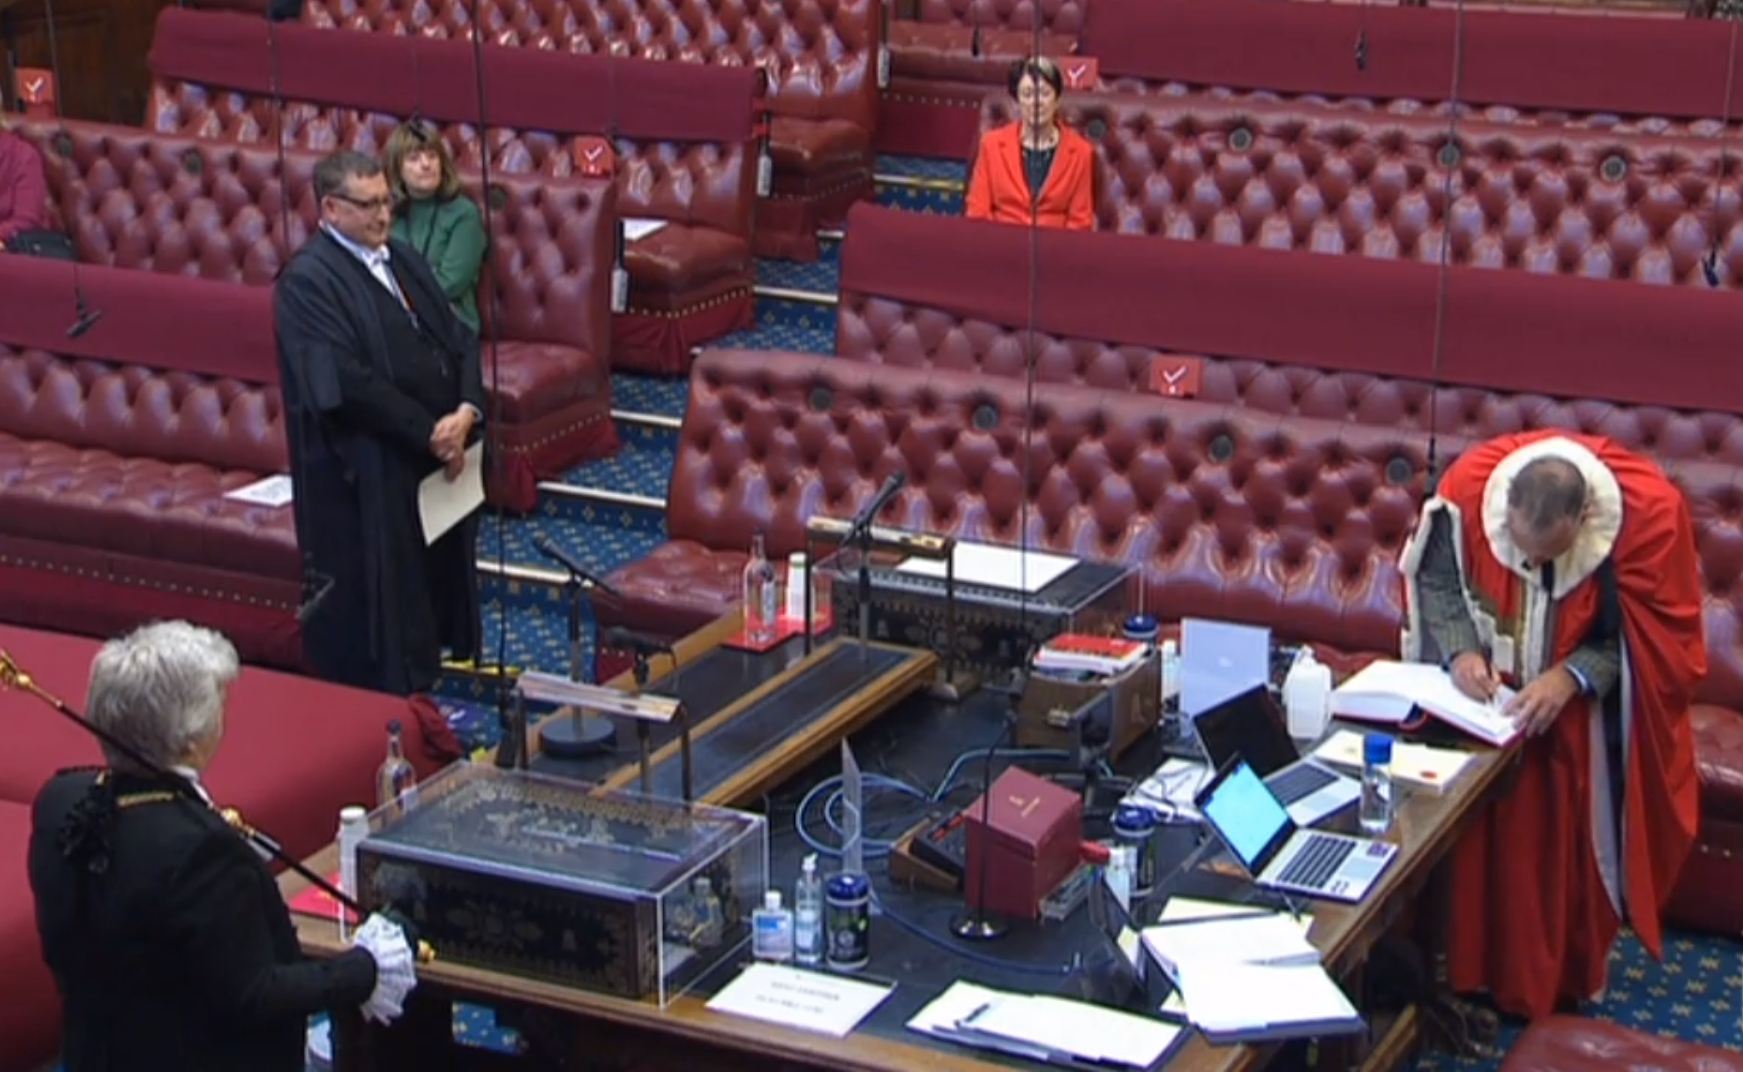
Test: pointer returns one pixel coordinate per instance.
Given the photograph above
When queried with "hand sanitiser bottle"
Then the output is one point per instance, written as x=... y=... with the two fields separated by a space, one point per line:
x=771 y=930
x=808 y=915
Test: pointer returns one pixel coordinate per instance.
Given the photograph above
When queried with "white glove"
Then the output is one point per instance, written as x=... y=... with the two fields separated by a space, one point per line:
x=395 y=968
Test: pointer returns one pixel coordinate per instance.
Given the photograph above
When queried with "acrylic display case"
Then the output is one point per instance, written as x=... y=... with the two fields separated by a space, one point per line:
x=565 y=882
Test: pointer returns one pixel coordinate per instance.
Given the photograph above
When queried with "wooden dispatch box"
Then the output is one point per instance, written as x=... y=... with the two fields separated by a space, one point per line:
x=1047 y=701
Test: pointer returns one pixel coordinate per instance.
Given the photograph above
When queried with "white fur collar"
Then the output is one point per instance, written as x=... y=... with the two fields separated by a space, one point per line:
x=1597 y=536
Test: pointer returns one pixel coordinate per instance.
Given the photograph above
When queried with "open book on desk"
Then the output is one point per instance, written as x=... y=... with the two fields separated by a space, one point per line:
x=1054 y=1030
x=1389 y=692
x=1231 y=1002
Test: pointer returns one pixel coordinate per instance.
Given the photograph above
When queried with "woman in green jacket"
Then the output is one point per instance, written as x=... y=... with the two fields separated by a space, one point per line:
x=432 y=215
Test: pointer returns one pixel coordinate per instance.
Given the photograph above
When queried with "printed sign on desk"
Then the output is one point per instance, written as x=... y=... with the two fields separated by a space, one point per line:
x=36 y=91
x=1176 y=377
x=1082 y=73
x=593 y=157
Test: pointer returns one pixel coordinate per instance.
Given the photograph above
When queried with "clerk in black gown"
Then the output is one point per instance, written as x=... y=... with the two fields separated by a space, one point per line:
x=382 y=387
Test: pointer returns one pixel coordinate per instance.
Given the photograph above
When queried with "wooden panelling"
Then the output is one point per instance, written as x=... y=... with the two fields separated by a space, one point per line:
x=102 y=44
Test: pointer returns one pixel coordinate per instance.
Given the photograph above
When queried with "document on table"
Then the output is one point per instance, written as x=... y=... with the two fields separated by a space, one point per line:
x=1043 y=1028
x=1413 y=763
x=988 y=566
x=270 y=491
x=1387 y=691
x=443 y=503
x=1257 y=937
x=793 y=997
x=1234 y=1002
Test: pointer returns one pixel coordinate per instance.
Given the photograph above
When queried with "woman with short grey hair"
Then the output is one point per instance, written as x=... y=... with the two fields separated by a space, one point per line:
x=168 y=940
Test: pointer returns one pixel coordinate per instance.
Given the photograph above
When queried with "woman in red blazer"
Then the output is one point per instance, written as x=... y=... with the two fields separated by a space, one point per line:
x=1035 y=153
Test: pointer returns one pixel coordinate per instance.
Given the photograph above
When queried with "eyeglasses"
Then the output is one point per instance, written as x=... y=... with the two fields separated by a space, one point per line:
x=374 y=204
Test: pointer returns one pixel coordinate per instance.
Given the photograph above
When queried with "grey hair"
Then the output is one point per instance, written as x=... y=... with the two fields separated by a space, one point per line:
x=160 y=689
x=1547 y=492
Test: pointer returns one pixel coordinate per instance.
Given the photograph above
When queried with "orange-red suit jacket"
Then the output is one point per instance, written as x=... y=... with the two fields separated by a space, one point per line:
x=998 y=188
x=1541 y=882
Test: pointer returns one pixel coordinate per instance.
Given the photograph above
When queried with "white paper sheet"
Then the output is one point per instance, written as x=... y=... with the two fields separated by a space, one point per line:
x=269 y=491
x=996 y=567
x=1268 y=939
x=1385 y=692
x=793 y=997
x=1044 y=1028
x=634 y=229
x=442 y=503
x=1229 y=997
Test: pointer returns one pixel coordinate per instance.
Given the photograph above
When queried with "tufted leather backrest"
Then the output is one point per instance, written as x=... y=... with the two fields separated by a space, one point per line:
x=894 y=332
x=1715 y=495
x=1229 y=512
x=1332 y=181
x=189 y=206
x=822 y=54
x=1054 y=16
x=138 y=412
x=711 y=184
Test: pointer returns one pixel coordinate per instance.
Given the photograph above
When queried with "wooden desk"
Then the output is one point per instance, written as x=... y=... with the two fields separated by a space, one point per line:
x=565 y=1028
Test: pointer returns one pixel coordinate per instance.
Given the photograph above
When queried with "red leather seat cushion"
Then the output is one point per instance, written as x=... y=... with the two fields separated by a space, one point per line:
x=814 y=147
x=676 y=589
x=679 y=260
x=140 y=506
x=944 y=53
x=1575 y=1044
x=1719 y=759
x=30 y=1016
x=295 y=750
x=537 y=379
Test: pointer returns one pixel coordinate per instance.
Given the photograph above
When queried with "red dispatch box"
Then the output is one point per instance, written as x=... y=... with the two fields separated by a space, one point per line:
x=1035 y=840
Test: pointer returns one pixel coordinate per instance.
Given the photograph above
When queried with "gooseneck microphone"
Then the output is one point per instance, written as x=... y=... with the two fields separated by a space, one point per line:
x=84 y=316
x=555 y=552
x=639 y=643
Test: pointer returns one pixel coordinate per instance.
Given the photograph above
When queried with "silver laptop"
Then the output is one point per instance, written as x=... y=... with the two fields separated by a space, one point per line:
x=1250 y=727
x=1279 y=855
x=1219 y=660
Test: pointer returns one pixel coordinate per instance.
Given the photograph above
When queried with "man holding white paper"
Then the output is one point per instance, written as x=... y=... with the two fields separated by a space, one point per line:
x=1566 y=566
x=382 y=388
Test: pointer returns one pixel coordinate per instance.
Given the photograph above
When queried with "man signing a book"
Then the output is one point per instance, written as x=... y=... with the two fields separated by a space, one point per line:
x=1566 y=567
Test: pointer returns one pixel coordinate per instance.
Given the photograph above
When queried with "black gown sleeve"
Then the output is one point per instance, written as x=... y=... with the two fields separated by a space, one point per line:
x=219 y=910
x=335 y=379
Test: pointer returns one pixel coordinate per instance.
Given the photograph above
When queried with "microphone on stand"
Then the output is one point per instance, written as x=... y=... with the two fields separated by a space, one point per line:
x=550 y=549
x=13 y=676
x=323 y=589
x=639 y=643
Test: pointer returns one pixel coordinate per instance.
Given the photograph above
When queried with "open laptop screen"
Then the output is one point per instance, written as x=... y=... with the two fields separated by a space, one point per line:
x=1246 y=814
x=1249 y=726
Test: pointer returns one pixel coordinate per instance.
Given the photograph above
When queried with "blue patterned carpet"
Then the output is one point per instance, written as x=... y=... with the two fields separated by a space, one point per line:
x=1694 y=994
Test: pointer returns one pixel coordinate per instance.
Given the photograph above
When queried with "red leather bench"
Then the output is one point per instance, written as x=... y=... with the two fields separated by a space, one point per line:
x=295 y=752
x=946 y=55
x=183 y=205
x=823 y=57
x=1575 y=1044
x=1305 y=53
x=686 y=147
x=116 y=449
x=771 y=439
x=1297 y=176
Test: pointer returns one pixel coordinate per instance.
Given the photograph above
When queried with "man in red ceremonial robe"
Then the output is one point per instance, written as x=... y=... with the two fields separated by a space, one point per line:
x=1565 y=566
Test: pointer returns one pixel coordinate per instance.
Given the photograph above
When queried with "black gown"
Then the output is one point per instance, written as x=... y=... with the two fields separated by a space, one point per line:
x=364 y=385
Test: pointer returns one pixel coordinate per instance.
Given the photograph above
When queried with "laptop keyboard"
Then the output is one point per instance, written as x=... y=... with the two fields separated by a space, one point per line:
x=1317 y=861
x=1299 y=782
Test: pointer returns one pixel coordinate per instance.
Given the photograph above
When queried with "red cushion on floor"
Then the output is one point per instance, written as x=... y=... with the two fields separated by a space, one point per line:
x=30 y=1016
x=295 y=750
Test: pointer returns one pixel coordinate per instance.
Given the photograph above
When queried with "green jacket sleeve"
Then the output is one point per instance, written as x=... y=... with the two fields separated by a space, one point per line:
x=462 y=255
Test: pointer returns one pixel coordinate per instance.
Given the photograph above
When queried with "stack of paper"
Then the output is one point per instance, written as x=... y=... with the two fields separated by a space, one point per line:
x=1415 y=764
x=1042 y=1028
x=1244 y=974
x=1388 y=691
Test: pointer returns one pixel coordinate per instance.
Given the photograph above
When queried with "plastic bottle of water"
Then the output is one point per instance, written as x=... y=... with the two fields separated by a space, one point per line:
x=1376 y=809
x=808 y=915
x=396 y=782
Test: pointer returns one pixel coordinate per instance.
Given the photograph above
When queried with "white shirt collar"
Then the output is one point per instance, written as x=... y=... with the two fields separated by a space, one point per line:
x=370 y=257
x=193 y=777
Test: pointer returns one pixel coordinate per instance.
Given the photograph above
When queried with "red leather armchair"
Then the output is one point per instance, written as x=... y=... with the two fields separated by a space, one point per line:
x=182 y=205
x=1575 y=1044
x=822 y=57
x=1554 y=200
x=686 y=147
